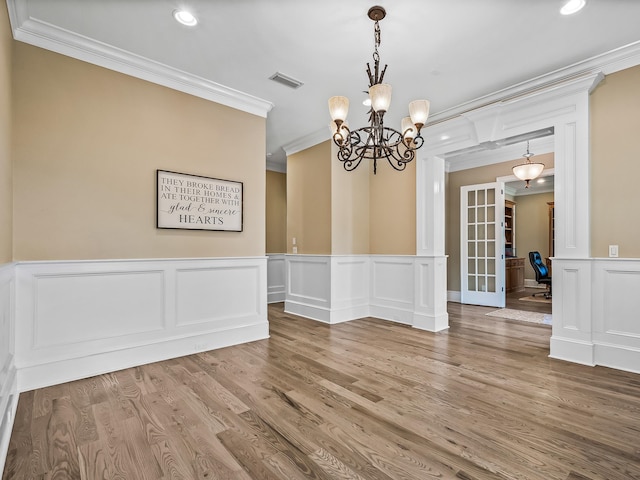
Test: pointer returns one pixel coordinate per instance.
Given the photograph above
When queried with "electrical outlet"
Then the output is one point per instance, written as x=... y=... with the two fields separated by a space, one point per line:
x=613 y=251
x=295 y=249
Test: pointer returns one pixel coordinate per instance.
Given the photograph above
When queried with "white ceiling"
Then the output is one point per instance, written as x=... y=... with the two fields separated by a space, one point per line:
x=447 y=51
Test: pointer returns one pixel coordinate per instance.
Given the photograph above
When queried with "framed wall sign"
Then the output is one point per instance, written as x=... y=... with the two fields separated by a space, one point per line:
x=198 y=203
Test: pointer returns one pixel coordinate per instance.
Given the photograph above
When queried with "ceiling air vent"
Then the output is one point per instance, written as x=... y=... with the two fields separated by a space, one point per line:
x=286 y=80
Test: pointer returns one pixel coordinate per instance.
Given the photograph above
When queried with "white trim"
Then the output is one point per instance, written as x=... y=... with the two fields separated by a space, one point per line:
x=609 y=62
x=508 y=153
x=307 y=141
x=45 y=35
x=66 y=370
x=454 y=296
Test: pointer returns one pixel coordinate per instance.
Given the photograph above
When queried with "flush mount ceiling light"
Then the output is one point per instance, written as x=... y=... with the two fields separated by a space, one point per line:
x=185 y=18
x=377 y=141
x=528 y=170
x=572 y=6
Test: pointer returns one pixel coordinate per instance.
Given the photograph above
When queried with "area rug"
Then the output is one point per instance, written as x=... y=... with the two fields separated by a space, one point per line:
x=521 y=315
x=539 y=299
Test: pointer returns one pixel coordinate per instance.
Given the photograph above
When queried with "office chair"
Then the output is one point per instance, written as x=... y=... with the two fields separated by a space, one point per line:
x=542 y=273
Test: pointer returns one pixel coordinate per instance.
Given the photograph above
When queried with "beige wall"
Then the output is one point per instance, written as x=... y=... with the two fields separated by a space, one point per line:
x=615 y=164
x=532 y=227
x=6 y=197
x=87 y=145
x=349 y=208
x=309 y=200
x=276 y=212
x=472 y=176
x=393 y=210
x=354 y=212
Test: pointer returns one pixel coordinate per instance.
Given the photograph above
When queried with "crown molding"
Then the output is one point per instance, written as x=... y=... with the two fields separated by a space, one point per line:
x=610 y=62
x=308 y=141
x=41 y=34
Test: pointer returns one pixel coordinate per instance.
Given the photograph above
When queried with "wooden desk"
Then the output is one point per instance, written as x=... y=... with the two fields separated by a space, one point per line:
x=514 y=277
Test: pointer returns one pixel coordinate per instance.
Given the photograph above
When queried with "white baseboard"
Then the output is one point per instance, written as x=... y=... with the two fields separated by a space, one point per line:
x=454 y=296
x=392 y=314
x=431 y=323
x=312 y=312
x=572 y=350
x=616 y=356
x=62 y=371
x=531 y=283
x=276 y=297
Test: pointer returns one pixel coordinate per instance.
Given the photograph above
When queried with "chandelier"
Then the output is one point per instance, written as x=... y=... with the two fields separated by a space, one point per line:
x=376 y=141
x=528 y=170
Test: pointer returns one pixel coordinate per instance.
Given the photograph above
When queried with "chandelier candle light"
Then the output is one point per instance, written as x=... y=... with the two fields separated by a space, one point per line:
x=528 y=170
x=377 y=141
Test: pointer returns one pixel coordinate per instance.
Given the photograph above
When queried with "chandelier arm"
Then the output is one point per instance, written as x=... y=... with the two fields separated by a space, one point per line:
x=382 y=74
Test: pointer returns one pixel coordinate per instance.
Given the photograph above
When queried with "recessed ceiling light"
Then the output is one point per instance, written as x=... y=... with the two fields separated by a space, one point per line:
x=572 y=6
x=541 y=180
x=185 y=18
x=367 y=102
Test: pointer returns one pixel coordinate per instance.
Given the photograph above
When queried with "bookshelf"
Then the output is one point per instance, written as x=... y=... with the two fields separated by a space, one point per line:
x=509 y=228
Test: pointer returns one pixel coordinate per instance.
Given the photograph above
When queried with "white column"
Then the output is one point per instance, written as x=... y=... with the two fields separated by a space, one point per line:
x=572 y=313
x=430 y=275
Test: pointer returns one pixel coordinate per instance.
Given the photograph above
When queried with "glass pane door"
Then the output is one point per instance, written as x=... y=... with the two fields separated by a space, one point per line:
x=482 y=244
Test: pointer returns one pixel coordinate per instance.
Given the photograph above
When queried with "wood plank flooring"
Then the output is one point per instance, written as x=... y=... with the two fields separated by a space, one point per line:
x=366 y=399
x=513 y=301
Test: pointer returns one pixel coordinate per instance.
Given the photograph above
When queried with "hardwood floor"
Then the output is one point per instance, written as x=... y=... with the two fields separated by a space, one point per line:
x=366 y=399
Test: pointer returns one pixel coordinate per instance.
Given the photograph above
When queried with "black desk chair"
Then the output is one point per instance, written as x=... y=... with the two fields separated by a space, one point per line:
x=542 y=273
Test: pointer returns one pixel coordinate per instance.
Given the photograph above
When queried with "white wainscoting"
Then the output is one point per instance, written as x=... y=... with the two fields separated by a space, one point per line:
x=339 y=288
x=276 y=278
x=309 y=286
x=349 y=287
x=392 y=288
x=616 y=313
x=8 y=379
x=82 y=318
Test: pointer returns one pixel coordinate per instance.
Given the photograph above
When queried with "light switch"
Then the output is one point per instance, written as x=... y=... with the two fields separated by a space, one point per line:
x=613 y=251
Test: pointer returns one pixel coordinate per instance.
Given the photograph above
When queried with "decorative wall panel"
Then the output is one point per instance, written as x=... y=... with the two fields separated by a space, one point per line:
x=77 y=319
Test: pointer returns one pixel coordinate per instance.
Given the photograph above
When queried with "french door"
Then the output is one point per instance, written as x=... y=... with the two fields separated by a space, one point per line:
x=482 y=273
